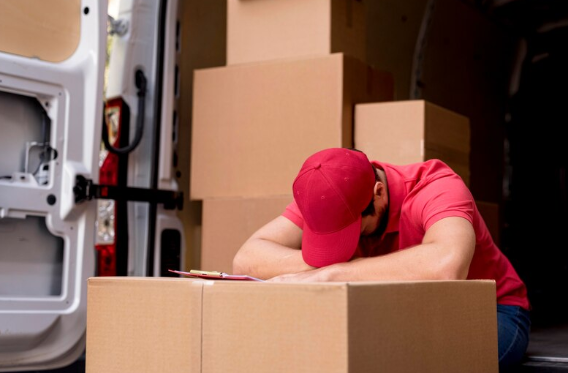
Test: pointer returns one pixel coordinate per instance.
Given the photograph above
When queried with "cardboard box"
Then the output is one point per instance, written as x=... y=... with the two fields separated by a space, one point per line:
x=228 y=223
x=137 y=325
x=406 y=132
x=254 y=125
x=156 y=325
x=260 y=30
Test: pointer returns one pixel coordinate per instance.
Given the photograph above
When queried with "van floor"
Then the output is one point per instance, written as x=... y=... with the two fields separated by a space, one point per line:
x=547 y=351
x=549 y=342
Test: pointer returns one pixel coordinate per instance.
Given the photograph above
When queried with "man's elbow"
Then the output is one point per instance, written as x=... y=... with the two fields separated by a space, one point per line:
x=243 y=261
x=453 y=268
x=452 y=274
x=240 y=263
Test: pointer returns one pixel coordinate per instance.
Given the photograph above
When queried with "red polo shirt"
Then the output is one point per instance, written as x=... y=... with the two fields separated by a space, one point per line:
x=420 y=194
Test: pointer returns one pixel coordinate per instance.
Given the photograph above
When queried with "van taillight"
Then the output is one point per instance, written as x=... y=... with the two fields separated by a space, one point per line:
x=106 y=224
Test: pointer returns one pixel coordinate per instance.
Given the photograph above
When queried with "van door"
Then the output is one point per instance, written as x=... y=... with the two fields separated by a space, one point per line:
x=52 y=57
x=145 y=40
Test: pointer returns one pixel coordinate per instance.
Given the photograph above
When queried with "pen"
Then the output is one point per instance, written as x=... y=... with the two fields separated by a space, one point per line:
x=208 y=273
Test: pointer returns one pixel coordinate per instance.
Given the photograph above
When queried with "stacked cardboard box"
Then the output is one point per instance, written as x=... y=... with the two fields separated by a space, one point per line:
x=296 y=70
x=229 y=222
x=278 y=29
x=406 y=132
x=164 y=325
x=254 y=124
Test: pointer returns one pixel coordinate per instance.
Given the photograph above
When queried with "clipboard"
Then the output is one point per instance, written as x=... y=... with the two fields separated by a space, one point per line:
x=214 y=275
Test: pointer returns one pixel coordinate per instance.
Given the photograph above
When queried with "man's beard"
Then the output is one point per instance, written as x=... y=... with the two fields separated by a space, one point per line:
x=382 y=224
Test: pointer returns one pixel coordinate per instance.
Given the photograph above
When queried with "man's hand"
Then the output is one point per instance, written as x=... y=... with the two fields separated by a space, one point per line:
x=315 y=275
x=273 y=250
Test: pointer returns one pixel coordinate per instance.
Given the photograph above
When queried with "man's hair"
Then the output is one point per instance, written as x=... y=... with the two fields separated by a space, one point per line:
x=370 y=209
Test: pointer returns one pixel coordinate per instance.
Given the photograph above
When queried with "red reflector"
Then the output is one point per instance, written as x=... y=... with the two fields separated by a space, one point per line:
x=108 y=174
x=106 y=260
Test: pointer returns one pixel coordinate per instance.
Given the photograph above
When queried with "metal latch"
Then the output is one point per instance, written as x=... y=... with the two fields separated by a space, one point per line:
x=86 y=190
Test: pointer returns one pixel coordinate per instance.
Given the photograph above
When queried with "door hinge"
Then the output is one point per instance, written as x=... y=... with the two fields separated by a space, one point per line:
x=117 y=26
x=86 y=190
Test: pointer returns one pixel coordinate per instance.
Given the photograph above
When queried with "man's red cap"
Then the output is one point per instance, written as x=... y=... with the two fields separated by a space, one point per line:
x=331 y=190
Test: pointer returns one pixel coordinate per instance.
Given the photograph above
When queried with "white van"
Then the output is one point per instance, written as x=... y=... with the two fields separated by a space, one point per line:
x=499 y=62
x=57 y=224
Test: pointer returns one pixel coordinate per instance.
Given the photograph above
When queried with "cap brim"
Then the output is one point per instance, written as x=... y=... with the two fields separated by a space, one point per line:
x=320 y=250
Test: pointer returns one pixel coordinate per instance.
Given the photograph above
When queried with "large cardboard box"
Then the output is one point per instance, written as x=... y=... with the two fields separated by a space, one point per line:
x=406 y=132
x=137 y=324
x=229 y=222
x=255 y=124
x=260 y=30
x=163 y=325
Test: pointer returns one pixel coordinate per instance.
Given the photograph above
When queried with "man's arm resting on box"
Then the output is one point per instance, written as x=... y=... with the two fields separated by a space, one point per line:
x=271 y=251
x=444 y=254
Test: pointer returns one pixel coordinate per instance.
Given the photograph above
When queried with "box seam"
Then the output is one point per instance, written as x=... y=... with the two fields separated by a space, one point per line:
x=348 y=331
x=201 y=331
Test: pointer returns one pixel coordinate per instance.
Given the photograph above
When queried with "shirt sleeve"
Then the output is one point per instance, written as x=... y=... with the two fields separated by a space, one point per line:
x=442 y=198
x=293 y=214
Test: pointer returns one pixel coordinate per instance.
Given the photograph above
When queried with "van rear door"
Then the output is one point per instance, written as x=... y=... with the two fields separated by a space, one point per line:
x=52 y=56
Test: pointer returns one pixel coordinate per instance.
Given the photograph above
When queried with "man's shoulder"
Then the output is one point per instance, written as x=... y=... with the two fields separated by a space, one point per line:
x=430 y=169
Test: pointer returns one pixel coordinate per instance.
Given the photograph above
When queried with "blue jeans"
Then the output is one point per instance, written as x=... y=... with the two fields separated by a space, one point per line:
x=513 y=325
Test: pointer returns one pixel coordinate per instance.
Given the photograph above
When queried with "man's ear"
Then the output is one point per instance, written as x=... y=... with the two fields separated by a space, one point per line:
x=379 y=189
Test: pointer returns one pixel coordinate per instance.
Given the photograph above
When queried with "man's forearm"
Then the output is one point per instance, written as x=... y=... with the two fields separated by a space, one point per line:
x=445 y=254
x=265 y=259
x=408 y=265
x=422 y=262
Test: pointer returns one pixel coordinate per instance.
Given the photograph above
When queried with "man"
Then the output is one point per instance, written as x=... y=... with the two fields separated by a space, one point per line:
x=356 y=220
